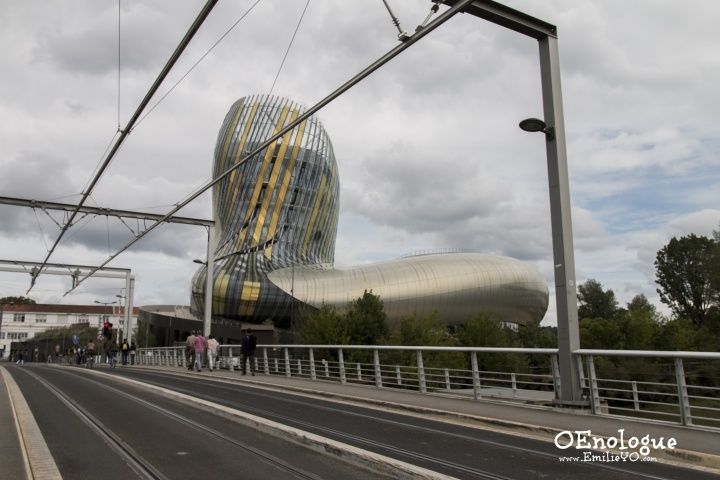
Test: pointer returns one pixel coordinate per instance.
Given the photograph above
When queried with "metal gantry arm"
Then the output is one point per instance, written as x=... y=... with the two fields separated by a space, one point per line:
x=558 y=180
x=442 y=18
x=112 y=212
x=128 y=127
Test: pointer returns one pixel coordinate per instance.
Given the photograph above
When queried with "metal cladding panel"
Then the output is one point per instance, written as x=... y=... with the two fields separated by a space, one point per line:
x=278 y=209
x=458 y=286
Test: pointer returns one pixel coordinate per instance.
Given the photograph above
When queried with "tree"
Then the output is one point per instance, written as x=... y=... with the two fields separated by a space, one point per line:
x=324 y=327
x=596 y=302
x=18 y=300
x=683 y=273
x=365 y=321
x=601 y=333
x=485 y=331
x=640 y=324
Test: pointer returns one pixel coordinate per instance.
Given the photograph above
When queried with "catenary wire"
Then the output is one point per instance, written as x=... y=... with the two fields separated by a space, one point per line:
x=282 y=63
x=204 y=13
x=202 y=57
x=445 y=16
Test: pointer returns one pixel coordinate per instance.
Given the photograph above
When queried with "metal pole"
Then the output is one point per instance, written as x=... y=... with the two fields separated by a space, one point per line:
x=209 y=283
x=129 y=126
x=127 y=299
x=442 y=18
x=560 y=218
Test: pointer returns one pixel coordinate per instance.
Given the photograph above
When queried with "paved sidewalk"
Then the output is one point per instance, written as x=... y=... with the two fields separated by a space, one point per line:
x=11 y=454
x=519 y=419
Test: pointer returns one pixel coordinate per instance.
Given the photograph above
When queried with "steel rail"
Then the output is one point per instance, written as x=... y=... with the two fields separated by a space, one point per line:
x=264 y=456
x=369 y=417
x=445 y=16
x=135 y=461
x=128 y=128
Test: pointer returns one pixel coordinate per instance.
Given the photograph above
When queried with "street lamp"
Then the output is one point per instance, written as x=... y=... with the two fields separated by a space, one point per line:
x=537 y=125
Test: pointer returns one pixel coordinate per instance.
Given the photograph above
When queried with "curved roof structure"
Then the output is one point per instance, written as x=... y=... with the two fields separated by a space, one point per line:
x=458 y=286
x=276 y=223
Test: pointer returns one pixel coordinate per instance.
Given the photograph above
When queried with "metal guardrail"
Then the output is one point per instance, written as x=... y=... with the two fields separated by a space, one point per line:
x=650 y=387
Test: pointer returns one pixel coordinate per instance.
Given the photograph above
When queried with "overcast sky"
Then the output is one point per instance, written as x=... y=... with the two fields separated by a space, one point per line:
x=429 y=151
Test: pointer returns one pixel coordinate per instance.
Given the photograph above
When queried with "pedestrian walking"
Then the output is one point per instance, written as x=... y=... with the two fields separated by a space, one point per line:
x=249 y=342
x=212 y=351
x=125 y=351
x=200 y=346
x=132 y=353
x=90 y=354
x=112 y=352
x=190 y=350
x=20 y=360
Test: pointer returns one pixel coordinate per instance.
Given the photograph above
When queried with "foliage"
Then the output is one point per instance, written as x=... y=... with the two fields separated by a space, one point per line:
x=322 y=328
x=365 y=321
x=683 y=272
x=84 y=332
x=594 y=302
x=485 y=331
x=415 y=331
x=18 y=300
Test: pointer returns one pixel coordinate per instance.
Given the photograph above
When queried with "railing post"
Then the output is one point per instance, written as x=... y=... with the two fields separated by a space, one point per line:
x=265 y=361
x=421 y=372
x=581 y=371
x=475 y=375
x=326 y=367
x=636 y=401
x=594 y=392
x=341 y=365
x=230 y=357
x=184 y=359
x=299 y=367
x=397 y=374
x=685 y=413
x=359 y=372
x=312 y=365
x=513 y=381
x=378 y=370
x=255 y=359
x=557 y=382
x=277 y=367
x=447 y=379
x=287 y=362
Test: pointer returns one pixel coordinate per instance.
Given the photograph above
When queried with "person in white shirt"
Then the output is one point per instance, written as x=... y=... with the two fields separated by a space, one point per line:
x=212 y=351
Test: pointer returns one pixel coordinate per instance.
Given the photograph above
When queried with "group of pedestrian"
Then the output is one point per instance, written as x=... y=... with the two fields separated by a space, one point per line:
x=198 y=348
x=127 y=350
x=199 y=351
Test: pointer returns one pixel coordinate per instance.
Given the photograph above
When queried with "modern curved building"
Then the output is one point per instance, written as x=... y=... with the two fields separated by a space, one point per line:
x=276 y=222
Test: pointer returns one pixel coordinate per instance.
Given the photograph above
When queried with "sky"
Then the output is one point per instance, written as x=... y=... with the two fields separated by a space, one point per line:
x=429 y=150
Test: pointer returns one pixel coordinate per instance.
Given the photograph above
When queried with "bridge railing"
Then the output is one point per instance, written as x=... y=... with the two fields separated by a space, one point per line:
x=679 y=387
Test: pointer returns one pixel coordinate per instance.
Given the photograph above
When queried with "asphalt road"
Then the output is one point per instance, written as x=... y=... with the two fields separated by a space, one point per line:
x=100 y=428
x=179 y=450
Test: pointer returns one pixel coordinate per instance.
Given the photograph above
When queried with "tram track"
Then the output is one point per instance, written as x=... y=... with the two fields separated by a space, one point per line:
x=141 y=466
x=405 y=454
x=134 y=460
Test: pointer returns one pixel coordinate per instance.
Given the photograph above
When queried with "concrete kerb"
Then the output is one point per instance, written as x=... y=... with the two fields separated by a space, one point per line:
x=676 y=457
x=356 y=456
x=39 y=462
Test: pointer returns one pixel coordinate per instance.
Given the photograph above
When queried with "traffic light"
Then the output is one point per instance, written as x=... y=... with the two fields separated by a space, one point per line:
x=107 y=329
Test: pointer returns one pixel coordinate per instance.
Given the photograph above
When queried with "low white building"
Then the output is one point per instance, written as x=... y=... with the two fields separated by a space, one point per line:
x=20 y=322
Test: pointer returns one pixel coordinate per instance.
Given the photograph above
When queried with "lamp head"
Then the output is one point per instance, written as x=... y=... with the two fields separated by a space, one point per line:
x=537 y=125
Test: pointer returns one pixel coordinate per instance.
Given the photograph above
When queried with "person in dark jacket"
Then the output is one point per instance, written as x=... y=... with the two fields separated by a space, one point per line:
x=125 y=350
x=249 y=343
